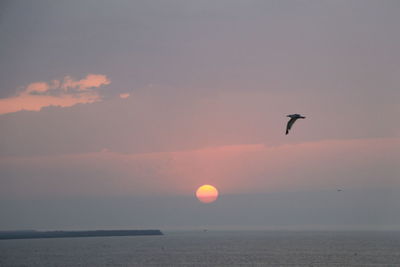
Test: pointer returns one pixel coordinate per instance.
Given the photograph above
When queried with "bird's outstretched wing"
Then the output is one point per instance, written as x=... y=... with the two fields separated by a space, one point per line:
x=289 y=124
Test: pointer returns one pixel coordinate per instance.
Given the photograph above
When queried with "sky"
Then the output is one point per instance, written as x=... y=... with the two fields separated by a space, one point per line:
x=113 y=113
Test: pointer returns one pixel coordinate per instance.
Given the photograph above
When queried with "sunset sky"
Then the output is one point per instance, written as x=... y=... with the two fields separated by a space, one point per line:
x=113 y=113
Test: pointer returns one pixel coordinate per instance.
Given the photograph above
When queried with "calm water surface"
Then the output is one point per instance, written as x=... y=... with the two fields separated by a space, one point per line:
x=209 y=249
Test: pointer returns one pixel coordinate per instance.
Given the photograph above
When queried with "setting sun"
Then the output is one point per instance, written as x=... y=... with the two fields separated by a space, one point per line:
x=207 y=193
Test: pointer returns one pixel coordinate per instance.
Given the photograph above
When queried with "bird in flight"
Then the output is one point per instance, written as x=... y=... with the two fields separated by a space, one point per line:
x=293 y=118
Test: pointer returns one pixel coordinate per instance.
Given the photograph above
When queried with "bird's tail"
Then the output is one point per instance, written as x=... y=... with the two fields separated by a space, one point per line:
x=287 y=131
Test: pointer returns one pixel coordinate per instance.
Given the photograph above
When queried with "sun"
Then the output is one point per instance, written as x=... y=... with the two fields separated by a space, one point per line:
x=207 y=193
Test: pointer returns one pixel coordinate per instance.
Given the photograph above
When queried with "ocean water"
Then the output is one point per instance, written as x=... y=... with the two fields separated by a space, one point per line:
x=253 y=248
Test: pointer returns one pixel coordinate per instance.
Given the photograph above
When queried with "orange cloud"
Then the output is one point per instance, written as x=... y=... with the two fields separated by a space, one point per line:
x=37 y=102
x=64 y=93
x=125 y=95
x=39 y=87
x=91 y=81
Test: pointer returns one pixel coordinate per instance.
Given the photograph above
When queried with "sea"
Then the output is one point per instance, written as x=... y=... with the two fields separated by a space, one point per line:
x=210 y=248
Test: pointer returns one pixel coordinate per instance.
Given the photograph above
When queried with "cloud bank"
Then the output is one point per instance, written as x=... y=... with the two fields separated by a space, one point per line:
x=63 y=93
x=238 y=169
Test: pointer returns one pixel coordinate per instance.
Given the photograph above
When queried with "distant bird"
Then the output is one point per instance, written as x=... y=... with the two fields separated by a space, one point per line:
x=293 y=118
x=339 y=190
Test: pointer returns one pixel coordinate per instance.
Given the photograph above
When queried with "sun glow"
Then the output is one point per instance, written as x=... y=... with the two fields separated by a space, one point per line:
x=207 y=193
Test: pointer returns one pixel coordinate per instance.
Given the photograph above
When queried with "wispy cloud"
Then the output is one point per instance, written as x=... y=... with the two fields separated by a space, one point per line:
x=125 y=95
x=91 y=81
x=63 y=93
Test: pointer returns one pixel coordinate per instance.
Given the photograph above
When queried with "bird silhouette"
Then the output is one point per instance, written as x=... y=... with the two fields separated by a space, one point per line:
x=293 y=118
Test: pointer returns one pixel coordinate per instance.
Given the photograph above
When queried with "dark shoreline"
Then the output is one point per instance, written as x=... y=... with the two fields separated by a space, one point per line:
x=62 y=234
